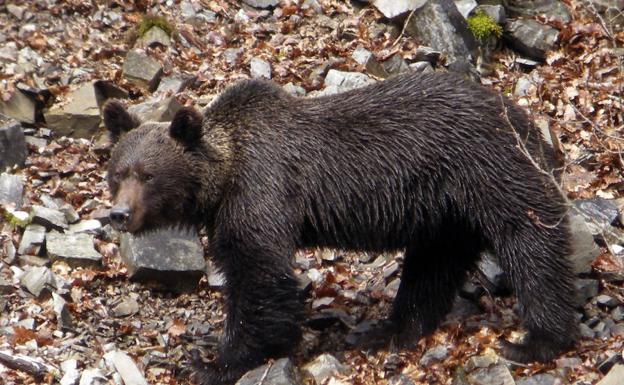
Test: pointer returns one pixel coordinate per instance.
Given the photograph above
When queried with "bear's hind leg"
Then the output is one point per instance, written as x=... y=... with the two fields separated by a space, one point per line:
x=535 y=260
x=432 y=274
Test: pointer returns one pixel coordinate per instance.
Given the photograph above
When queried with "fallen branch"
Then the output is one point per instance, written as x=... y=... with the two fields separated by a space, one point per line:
x=24 y=364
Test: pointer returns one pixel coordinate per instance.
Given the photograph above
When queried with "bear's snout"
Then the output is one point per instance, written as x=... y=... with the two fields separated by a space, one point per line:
x=120 y=217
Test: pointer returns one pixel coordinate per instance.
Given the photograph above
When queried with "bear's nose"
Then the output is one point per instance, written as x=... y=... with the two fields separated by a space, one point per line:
x=119 y=216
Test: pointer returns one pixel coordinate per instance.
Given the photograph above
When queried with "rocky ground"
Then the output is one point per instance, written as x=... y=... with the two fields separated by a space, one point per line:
x=69 y=311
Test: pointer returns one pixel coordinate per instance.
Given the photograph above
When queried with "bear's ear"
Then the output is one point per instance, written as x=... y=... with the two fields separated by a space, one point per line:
x=186 y=126
x=117 y=120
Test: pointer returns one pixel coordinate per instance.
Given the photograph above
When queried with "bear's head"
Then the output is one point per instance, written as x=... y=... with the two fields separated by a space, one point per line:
x=157 y=171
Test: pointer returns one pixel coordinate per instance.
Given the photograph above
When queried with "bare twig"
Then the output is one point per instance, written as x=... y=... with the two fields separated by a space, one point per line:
x=25 y=364
x=404 y=27
x=266 y=372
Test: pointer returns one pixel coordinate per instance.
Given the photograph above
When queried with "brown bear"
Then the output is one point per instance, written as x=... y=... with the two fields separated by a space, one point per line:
x=434 y=165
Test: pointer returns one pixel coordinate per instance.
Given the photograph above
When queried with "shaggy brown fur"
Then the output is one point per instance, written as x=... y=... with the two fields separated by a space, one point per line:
x=429 y=164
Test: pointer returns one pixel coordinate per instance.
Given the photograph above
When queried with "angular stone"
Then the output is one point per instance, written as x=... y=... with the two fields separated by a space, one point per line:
x=12 y=143
x=493 y=375
x=106 y=89
x=584 y=249
x=49 y=218
x=125 y=366
x=367 y=59
x=261 y=3
x=395 y=65
x=394 y=8
x=154 y=37
x=38 y=279
x=79 y=117
x=483 y=361
x=141 y=69
x=32 y=260
x=339 y=81
x=540 y=379
x=614 y=377
x=174 y=84
x=20 y=106
x=586 y=289
x=324 y=367
x=607 y=300
x=435 y=354
x=156 y=109
x=128 y=306
x=280 y=372
x=491 y=275
x=465 y=7
x=294 y=90
x=495 y=11
x=32 y=240
x=63 y=316
x=232 y=55
x=11 y=190
x=531 y=38
x=427 y=54
x=550 y=9
x=75 y=249
x=259 y=68
x=422 y=67
x=91 y=226
x=439 y=25
x=173 y=257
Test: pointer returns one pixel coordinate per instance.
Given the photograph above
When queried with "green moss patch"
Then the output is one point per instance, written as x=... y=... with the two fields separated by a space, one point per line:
x=483 y=26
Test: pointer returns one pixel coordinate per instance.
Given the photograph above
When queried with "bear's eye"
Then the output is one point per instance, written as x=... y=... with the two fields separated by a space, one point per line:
x=148 y=177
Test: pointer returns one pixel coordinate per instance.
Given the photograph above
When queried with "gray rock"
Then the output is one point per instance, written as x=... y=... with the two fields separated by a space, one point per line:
x=37 y=143
x=531 y=38
x=294 y=90
x=141 y=69
x=49 y=218
x=367 y=59
x=11 y=189
x=465 y=7
x=71 y=374
x=324 y=367
x=38 y=280
x=16 y=11
x=491 y=275
x=586 y=331
x=610 y=9
x=339 y=81
x=422 y=67
x=259 y=68
x=79 y=117
x=392 y=288
x=483 y=361
x=435 y=354
x=607 y=300
x=20 y=106
x=394 y=8
x=606 y=365
x=550 y=9
x=173 y=257
x=280 y=372
x=618 y=314
x=584 y=249
x=63 y=316
x=12 y=144
x=156 y=109
x=586 y=289
x=91 y=226
x=232 y=55
x=439 y=25
x=395 y=65
x=32 y=260
x=495 y=11
x=75 y=249
x=92 y=376
x=125 y=366
x=154 y=37
x=614 y=377
x=261 y=3
x=601 y=215
x=523 y=86
x=427 y=54
x=105 y=89
x=32 y=240
x=313 y=5
x=8 y=252
x=540 y=379
x=493 y=375
x=8 y=52
x=127 y=306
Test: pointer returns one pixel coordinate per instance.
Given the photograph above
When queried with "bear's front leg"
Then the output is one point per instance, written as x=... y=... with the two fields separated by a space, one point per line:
x=263 y=306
